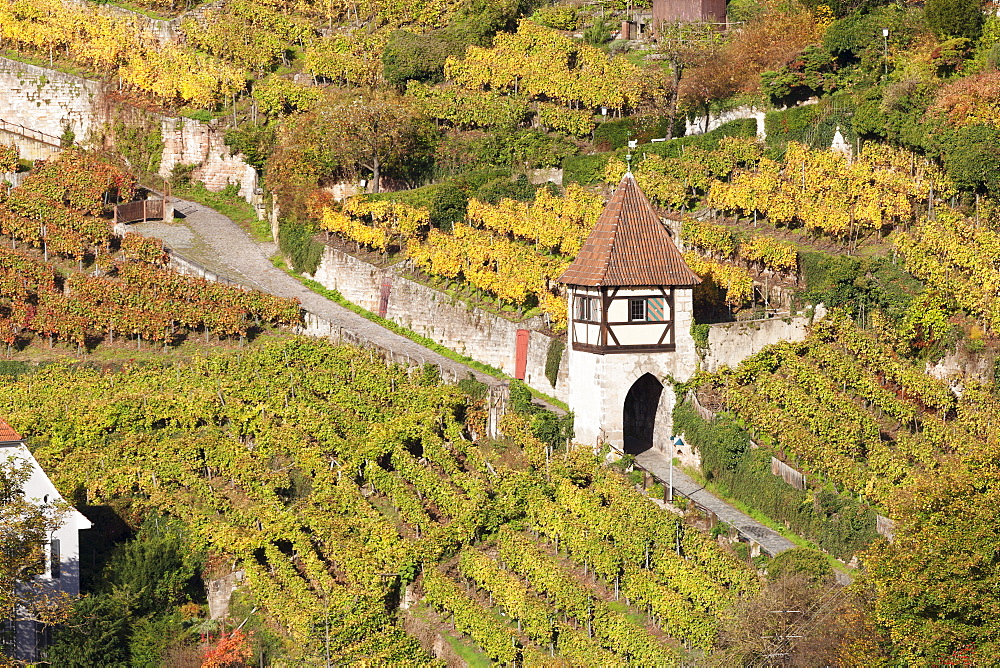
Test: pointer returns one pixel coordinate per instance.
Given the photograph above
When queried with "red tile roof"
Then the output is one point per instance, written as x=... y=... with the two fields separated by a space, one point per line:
x=7 y=433
x=629 y=246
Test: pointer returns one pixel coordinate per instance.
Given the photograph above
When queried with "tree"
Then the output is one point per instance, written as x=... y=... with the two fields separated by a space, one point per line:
x=972 y=157
x=935 y=585
x=419 y=57
x=380 y=132
x=955 y=18
x=683 y=44
x=801 y=561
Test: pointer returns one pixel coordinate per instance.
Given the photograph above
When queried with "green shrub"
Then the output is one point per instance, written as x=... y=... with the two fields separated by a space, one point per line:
x=700 y=335
x=857 y=284
x=13 y=368
x=254 y=143
x=503 y=188
x=801 y=561
x=972 y=157
x=585 y=169
x=202 y=115
x=180 y=174
x=67 y=138
x=617 y=133
x=553 y=359
x=557 y=17
x=599 y=33
x=473 y=388
x=955 y=18
x=141 y=144
x=295 y=239
x=839 y=524
x=744 y=127
x=419 y=57
x=445 y=202
x=520 y=398
x=812 y=125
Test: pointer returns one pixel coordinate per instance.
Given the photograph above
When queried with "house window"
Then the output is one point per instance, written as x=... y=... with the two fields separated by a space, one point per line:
x=55 y=558
x=636 y=309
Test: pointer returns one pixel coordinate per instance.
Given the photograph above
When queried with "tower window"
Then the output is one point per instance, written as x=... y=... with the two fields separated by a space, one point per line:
x=656 y=309
x=587 y=309
x=637 y=309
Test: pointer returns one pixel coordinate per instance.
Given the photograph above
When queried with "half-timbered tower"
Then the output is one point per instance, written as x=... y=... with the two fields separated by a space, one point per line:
x=630 y=315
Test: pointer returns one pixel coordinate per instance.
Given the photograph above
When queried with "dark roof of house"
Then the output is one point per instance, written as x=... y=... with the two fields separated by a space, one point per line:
x=7 y=433
x=629 y=246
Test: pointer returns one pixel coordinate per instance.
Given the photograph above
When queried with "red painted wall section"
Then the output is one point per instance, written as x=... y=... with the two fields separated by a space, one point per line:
x=521 y=353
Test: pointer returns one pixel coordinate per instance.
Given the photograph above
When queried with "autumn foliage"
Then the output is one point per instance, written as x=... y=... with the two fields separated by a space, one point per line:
x=972 y=100
x=232 y=651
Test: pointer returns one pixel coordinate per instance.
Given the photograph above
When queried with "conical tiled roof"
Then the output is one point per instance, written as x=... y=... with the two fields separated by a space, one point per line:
x=629 y=246
x=7 y=433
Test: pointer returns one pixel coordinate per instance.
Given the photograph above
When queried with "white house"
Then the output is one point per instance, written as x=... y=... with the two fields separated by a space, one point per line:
x=630 y=315
x=62 y=551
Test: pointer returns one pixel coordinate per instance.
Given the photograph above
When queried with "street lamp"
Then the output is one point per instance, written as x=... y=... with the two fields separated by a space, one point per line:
x=885 y=42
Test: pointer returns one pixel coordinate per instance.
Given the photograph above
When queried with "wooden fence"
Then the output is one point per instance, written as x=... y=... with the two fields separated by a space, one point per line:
x=794 y=478
x=142 y=210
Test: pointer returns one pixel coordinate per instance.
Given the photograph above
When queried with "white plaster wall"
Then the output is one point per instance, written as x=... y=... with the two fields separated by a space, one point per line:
x=729 y=343
x=598 y=384
x=586 y=397
x=696 y=126
x=40 y=490
x=474 y=332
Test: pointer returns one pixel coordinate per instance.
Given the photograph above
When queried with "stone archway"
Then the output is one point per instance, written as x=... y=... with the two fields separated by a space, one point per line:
x=639 y=414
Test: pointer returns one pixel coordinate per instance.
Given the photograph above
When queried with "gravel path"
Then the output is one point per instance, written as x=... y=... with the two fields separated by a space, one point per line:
x=217 y=243
x=769 y=540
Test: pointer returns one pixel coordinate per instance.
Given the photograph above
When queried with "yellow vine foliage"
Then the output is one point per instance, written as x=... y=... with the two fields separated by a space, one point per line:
x=824 y=192
x=960 y=259
x=113 y=44
x=495 y=264
x=376 y=224
x=736 y=281
x=541 y=62
x=557 y=223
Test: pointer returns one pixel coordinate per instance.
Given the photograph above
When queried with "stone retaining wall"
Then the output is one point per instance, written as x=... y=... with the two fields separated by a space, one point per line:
x=729 y=343
x=47 y=100
x=50 y=101
x=471 y=331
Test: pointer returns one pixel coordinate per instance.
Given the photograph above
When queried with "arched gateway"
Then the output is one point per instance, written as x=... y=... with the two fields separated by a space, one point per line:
x=639 y=414
x=630 y=315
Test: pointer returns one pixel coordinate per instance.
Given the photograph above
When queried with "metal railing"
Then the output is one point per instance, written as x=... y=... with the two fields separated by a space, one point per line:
x=30 y=133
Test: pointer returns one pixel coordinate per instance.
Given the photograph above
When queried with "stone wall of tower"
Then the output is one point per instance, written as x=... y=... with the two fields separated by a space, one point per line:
x=599 y=383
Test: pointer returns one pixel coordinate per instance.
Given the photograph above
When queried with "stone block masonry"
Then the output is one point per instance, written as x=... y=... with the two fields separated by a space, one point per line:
x=47 y=100
x=729 y=343
x=466 y=329
x=190 y=142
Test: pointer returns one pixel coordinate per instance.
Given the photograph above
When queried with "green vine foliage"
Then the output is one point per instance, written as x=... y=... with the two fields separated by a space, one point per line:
x=553 y=360
x=838 y=523
x=333 y=480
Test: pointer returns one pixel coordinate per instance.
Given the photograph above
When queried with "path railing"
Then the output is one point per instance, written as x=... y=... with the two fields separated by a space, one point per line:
x=30 y=133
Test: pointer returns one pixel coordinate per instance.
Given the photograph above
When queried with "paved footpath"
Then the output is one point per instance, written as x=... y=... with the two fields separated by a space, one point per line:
x=769 y=540
x=214 y=241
